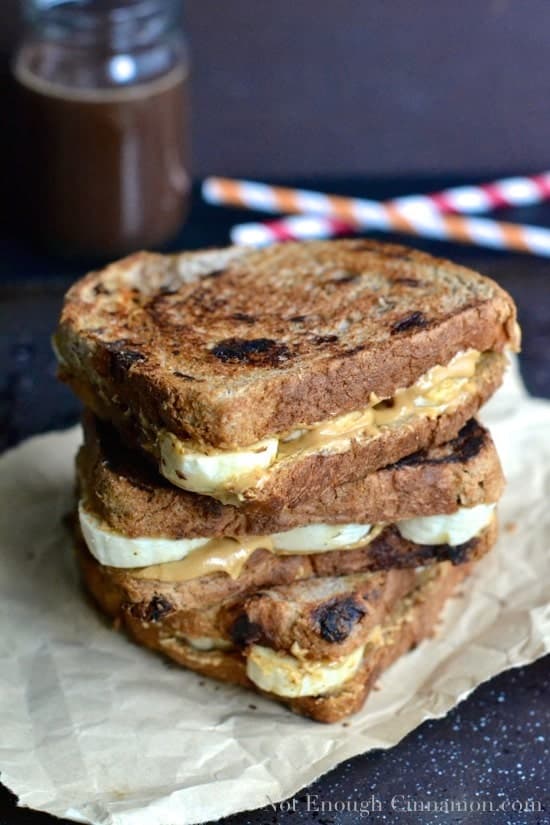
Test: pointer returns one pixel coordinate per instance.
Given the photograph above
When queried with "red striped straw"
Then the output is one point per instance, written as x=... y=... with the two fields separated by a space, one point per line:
x=483 y=197
x=422 y=215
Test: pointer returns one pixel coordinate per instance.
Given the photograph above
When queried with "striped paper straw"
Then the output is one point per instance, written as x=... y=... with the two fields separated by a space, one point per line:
x=385 y=217
x=482 y=197
x=294 y=228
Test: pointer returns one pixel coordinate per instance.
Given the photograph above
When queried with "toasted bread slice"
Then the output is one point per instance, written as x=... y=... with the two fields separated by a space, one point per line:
x=299 y=469
x=414 y=620
x=224 y=348
x=328 y=617
x=125 y=492
x=411 y=618
x=178 y=601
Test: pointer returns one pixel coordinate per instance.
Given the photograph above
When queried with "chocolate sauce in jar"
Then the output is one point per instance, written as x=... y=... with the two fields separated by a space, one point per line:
x=104 y=114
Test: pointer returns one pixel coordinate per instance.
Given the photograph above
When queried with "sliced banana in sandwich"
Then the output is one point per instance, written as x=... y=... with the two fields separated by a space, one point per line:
x=453 y=528
x=208 y=473
x=285 y=675
x=116 y=550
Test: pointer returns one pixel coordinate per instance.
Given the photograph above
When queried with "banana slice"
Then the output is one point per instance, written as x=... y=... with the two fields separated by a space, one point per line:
x=317 y=538
x=116 y=550
x=208 y=473
x=286 y=675
x=452 y=529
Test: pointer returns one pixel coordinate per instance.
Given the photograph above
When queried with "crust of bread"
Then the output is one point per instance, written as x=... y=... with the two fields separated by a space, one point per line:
x=123 y=490
x=229 y=346
x=416 y=620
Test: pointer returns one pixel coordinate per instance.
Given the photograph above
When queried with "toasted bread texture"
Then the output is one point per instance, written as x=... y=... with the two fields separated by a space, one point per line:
x=411 y=619
x=328 y=617
x=122 y=488
x=178 y=603
x=226 y=347
x=412 y=622
x=303 y=475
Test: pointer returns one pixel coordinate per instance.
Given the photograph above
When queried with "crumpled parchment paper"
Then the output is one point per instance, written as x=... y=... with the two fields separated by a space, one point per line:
x=96 y=729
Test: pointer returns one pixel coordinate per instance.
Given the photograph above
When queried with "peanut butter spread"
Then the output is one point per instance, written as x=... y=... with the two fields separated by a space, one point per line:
x=227 y=475
x=434 y=392
x=223 y=555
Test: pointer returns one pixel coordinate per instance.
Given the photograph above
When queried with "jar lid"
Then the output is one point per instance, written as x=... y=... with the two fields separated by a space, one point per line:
x=114 y=22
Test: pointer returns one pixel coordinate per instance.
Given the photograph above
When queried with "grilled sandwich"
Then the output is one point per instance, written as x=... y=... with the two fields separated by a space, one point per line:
x=195 y=552
x=282 y=480
x=313 y=621
x=270 y=376
x=353 y=629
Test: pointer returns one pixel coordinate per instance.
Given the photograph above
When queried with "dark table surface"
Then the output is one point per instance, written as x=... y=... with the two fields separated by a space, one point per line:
x=494 y=747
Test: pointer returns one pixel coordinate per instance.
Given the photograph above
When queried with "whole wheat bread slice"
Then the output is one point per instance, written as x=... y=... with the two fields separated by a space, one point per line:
x=412 y=619
x=124 y=490
x=328 y=617
x=178 y=602
x=228 y=346
x=301 y=476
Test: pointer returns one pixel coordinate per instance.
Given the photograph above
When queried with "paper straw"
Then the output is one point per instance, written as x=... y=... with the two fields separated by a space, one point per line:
x=294 y=228
x=483 y=197
x=389 y=216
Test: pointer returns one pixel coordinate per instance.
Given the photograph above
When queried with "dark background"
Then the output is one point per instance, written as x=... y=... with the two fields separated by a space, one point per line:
x=364 y=86
x=495 y=745
x=364 y=97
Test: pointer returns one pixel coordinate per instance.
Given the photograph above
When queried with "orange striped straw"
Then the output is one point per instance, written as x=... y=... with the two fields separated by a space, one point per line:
x=425 y=221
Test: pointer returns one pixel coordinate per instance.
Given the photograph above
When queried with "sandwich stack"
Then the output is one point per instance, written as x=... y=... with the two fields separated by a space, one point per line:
x=282 y=479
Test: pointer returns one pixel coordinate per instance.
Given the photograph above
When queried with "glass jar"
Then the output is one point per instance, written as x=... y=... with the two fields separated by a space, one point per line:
x=104 y=112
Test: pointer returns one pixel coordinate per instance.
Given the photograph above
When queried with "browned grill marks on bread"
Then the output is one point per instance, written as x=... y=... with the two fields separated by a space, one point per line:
x=258 y=352
x=468 y=443
x=336 y=619
x=153 y=611
x=326 y=617
x=460 y=553
x=415 y=319
x=394 y=551
x=124 y=490
x=298 y=294
x=244 y=632
x=123 y=355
